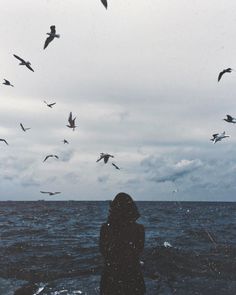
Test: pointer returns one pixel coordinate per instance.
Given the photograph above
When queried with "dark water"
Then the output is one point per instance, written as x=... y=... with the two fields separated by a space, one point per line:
x=55 y=245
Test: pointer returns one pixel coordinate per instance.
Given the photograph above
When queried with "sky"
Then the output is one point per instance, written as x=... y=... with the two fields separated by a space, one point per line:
x=141 y=79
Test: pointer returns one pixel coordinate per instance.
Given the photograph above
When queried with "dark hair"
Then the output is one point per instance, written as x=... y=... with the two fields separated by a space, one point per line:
x=122 y=210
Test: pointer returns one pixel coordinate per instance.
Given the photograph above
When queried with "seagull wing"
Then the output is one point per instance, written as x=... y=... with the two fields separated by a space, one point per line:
x=29 y=67
x=46 y=158
x=56 y=156
x=19 y=58
x=22 y=127
x=70 y=118
x=44 y=192
x=115 y=166
x=104 y=2
x=220 y=75
x=229 y=117
x=53 y=29
x=106 y=158
x=52 y=104
x=48 y=40
x=56 y=193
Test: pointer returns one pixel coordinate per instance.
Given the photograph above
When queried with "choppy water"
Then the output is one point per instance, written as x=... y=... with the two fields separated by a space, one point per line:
x=55 y=246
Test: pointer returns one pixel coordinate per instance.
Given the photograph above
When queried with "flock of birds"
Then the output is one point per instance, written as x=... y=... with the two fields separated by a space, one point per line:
x=71 y=119
x=219 y=136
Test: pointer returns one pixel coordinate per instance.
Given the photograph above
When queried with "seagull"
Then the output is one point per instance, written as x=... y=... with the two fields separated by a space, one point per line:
x=8 y=83
x=229 y=70
x=23 y=128
x=50 y=193
x=49 y=156
x=1 y=139
x=115 y=166
x=105 y=157
x=23 y=62
x=218 y=137
x=71 y=122
x=50 y=105
x=104 y=2
x=52 y=35
x=65 y=141
x=230 y=119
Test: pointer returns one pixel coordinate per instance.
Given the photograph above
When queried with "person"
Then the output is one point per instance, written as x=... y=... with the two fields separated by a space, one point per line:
x=121 y=243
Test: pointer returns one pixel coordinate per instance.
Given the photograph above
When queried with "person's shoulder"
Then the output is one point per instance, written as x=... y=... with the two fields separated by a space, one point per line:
x=104 y=226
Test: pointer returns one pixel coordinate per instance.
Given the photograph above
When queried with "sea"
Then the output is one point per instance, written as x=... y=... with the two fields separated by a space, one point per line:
x=52 y=247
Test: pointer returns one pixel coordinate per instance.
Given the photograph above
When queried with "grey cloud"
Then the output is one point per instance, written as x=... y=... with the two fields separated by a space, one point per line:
x=162 y=170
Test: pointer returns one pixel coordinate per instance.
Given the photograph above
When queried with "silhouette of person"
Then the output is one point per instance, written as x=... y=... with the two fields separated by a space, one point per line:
x=121 y=243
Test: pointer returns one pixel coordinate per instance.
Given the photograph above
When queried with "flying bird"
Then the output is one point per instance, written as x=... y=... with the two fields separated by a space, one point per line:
x=65 y=141
x=218 y=137
x=23 y=128
x=115 y=166
x=23 y=62
x=1 y=139
x=50 y=156
x=229 y=70
x=50 y=193
x=50 y=105
x=104 y=2
x=105 y=157
x=52 y=35
x=8 y=83
x=71 y=122
x=230 y=119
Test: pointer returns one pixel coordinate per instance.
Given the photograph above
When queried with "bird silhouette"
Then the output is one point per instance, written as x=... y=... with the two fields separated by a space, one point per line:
x=51 y=36
x=23 y=128
x=50 y=193
x=115 y=166
x=4 y=140
x=23 y=62
x=218 y=137
x=50 y=105
x=50 y=156
x=230 y=119
x=229 y=70
x=65 y=141
x=104 y=2
x=105 y=157
x=71 y=122
x=8 y=83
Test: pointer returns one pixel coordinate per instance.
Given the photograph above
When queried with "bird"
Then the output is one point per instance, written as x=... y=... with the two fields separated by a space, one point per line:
x=218 y=137
x=65 y=141
x=230 y=119
x=71 y=122
x=1 y=139
x=50 y=105
x=105 y=157
x=175 y=191
x=52 y=35
x=229 y=70
x=50 y=156
x=23 y=128
x=23 y=62
x=115 y=166
x=104 y=2
x=50 y=193
x=8 y=83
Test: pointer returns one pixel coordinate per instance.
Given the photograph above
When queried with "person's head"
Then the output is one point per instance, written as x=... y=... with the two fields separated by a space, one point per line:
x=123 y=210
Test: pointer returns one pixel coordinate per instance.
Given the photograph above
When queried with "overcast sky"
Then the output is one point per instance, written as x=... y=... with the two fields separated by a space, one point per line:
x=141 y=79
